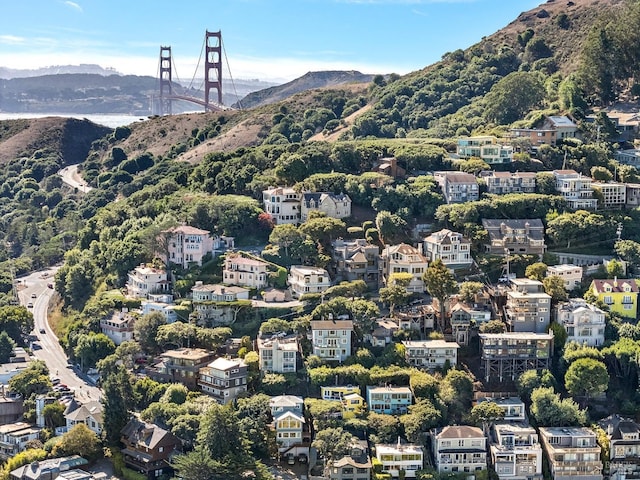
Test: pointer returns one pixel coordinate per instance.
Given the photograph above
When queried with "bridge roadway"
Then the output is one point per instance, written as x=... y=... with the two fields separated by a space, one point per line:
x=211 y=107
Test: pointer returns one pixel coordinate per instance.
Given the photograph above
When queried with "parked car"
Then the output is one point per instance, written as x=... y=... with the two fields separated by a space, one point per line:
x=33 y=295
x=55 y=381
x=302 y=458
x=29 y=305
x=291 y=459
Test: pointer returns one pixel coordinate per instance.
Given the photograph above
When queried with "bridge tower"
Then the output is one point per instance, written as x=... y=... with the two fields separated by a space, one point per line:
x=213 y=66
x=166 y=88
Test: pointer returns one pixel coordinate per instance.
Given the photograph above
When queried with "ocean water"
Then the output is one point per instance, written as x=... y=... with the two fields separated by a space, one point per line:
x=111 y=121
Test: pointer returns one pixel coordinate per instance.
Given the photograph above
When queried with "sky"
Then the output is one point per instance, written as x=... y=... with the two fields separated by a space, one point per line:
x=271 y=40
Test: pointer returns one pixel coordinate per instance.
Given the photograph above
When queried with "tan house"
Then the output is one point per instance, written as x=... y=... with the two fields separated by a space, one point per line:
x=303 y=280
x=331 y=339
x=502 y=183
x=283 y=204
x=278 y=353
x=404 y=258
x=522 y=236
x=180 y=366
x=186 y=244
x=246 y=272
x=459 y=449
x=333 y=205
x=451 y=247
x=224 y=379
x=573 y=452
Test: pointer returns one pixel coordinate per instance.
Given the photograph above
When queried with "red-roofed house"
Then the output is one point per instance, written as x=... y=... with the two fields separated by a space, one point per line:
x=619 y=294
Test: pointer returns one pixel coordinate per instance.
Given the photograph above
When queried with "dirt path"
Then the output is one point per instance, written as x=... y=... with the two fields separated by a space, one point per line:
x=333 y=136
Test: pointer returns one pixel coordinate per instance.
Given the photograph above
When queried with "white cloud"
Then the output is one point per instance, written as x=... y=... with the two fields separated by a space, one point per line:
x=73 y=5
x=12 y=40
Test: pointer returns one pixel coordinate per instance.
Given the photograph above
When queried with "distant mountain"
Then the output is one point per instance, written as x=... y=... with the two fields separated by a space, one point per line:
x=9 y=73
x=308 y=81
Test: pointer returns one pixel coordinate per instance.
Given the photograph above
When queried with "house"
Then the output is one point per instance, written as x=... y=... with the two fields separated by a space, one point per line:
x=331 y=204
x=633 y=195
x=563 y=126
x=212 y=303
x=283 y=204
x=389 y=166
x=404 y=258
x=352 y=405
x=571 y=275
x=382 y=334
x=331 y=339
x=516 y=453
x=148 y=449
x=118 y=327
x=224 y=379
x=357 y=260
x=451 y=247
x=524 y=236
x=64 y=468
x=303 y=280
x=528 y=307
x=620 y=295
x=573 y=452
x=356 y=465
x=89 y=414
x=536 y=136
x=431 y=354
x=464 y=317
x=624 y=446
x=576 y=189
x=246 y=272
x=505 y=356
x=613 y=195
x=416 y=317
x=583 y=322
x=502 y=183
x=485 y=148
x=146 y=279
x=458 y=187
x=11 y=406
x=14 y=438
x=273 y=295
x=458 y=449
x=185 y=244
x=628 y=157
x=278 y=353
x=389 y=400
x=337 y=393
x=401 y=456
x=513 y=407
x=11 y=369
x=288 y=420
x=180 y=365
x=162 y=304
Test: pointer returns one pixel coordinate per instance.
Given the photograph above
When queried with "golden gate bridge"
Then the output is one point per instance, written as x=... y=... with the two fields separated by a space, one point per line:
x=170 y=91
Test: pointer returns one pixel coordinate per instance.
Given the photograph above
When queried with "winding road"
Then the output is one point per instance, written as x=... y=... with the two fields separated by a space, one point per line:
x=71 y=177
x=34 y=290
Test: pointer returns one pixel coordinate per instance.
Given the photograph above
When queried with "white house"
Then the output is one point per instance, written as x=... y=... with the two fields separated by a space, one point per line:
x=571 y=275
x=451 y=247
x=431 y=354
x=584 y=322
x=278 y=353
x=224 y=379
x=185 y=245
x=146 y=279
x=304 y=280
x=157 y=303
x=459 y=449
x=576 y=189
x=89 y=414
x=401 y=456
x=118 y=327
x=14 y=438
x=246 y=272
x=404 y=258
x=283 y=204
x=516 y=453
x=331 y=339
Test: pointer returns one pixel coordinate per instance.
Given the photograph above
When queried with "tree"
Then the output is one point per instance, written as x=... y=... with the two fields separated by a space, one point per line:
x=513 y=96
x=33 y=379
x=554 y=286
x=199 y=465
x=286 y=235
x=323 y=229
x=254 y=417
x=145 y=330
x=390 y=226
x=80 y=440
x=53 y=414
x=93 y=347
x=117 y=400
x=469 y=290
x=615 y=269
x=549 y=410
x=532 y=379
x=586 y=377
x=175 y=393
x=6 y=347
x=441 y=284
x=629 y=250
x=332 y=443
x=484 y=413
x=422 y=417
x=394 y=295
x=456 y=391
x=16 y=321
x=536 y=271
x=493 y=326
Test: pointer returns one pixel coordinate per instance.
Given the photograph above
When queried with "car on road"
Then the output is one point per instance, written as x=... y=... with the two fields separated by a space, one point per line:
x=55 y=381
x=33 y=295
x=42 y=330
x=29 y=305
x=49 y=285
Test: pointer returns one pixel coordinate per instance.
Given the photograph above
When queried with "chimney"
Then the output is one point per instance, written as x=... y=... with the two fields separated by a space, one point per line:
x=615 y=281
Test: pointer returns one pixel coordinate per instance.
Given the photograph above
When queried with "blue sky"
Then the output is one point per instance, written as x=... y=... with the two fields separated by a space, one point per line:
x=264 y=39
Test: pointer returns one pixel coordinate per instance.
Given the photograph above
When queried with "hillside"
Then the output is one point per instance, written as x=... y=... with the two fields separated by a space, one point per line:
x=70 y=138
x=308 y=81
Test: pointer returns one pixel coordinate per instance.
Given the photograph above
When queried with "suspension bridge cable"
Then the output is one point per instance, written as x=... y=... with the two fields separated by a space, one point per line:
x=197 y=66
x=226 y=60
x=177 y=77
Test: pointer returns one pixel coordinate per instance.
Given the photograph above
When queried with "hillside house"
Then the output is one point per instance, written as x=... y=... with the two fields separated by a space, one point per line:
x=185 y=245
